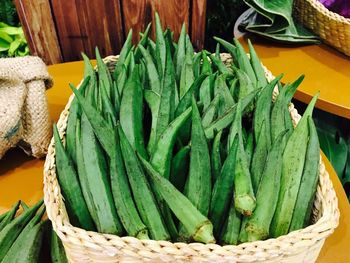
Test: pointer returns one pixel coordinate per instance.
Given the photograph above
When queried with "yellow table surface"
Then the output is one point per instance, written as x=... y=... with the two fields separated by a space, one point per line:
x=325 y=69
x=21 y=177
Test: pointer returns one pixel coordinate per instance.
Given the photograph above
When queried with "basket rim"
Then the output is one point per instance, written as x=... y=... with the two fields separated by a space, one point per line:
x=332 y=15
x=63 y=228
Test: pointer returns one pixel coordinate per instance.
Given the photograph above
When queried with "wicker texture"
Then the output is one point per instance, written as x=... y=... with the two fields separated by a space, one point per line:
x=334 y=29
x=85 y=246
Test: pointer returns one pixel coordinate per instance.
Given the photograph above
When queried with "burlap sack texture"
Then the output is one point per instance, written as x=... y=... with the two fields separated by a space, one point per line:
x=24 y=115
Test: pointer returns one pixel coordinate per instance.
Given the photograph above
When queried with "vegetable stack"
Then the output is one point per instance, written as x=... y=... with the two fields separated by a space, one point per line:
x=183 y=146
x=23 y=236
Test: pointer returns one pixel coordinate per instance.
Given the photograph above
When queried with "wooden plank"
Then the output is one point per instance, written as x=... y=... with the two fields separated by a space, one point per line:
x=198 y=23
x=39 y=29
x=135 y=17
x=172 y=14
x=88 y=24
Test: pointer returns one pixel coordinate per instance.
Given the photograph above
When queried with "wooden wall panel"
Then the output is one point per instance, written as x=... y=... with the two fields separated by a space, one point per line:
x=64 y=30
x=39 y=29
x=82 y=25
x=135 y=16
x=172 y=13
x=198 y=23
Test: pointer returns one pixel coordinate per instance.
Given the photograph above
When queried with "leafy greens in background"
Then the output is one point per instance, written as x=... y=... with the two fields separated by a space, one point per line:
x=334 y=135
x=273 y=20
x=8 y=13
x=12 y=41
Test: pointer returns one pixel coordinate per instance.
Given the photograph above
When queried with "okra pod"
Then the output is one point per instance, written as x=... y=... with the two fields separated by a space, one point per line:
x=223 y=190
x=143 y=196
x=258 y=224
x=131 y=113
x=8 y=216
x=196 y=224
x=292 y=169
x=308 y=185
x=68 y=180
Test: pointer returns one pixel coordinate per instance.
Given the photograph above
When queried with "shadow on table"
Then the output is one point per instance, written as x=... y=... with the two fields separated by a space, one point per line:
x=13 y=158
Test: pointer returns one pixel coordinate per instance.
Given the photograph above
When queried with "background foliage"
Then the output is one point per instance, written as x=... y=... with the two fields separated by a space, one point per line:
x=12 y=39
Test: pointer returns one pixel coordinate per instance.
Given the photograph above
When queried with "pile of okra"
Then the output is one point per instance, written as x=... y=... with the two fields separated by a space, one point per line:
x=26 y=238
x=172 y=144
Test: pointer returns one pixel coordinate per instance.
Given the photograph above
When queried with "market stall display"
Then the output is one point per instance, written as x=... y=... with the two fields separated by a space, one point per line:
x=53 y=197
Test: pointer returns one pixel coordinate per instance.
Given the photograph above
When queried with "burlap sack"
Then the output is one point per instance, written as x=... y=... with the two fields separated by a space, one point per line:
x=24 y=120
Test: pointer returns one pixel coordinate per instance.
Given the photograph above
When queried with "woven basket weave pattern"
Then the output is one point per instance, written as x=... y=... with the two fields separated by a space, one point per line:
x=84 y=246
x=331 y=27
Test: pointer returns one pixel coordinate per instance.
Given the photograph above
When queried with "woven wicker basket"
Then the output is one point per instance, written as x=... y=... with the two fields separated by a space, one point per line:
x=84 y=246
x=334 y=29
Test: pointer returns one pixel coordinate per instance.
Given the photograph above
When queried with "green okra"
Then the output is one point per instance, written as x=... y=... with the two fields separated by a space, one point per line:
x=11 y=231
x=258 y=224
x=217 y=51
x=123 y=54
x=152 y=72
x=243 y=189
x=152 y=98
x=180 y=53
x=308 y=185
x=102 y=129
x=225 y=120
x=246 y=86
x=57 y=253
x=104 y=76
x=161 y=50
x=262 y=110
x=166 y=109
x=257 y=66
x=9 y=215
x=216 y=163
x=259 y=157
x=228 y=46
x=81 y=170
x=292 y=169
x=198 y=185
x=196 y=224
x=74 y=114
x=161 y=157
x=186 y=99
x=130 y=116
x=211 y=111
x=179 y=168
x=223 y=190
x=206 y=66
x=249 y=147
x=187 y=75
x=226 y=100
x=71 y=190
x=189 y=47
x=26 y=247
x=143 y=196
x=197 y=64
x=244 y=63
x=96 y=169
x=143 y=42
x=122 y=195
x=205 y=92
x=220 y=65
x=230 y=232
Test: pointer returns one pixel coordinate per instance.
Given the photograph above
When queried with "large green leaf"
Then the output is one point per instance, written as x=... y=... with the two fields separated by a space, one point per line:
x=335 y=148
x=5 y=37
x=273 y=19
x=4 y=46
